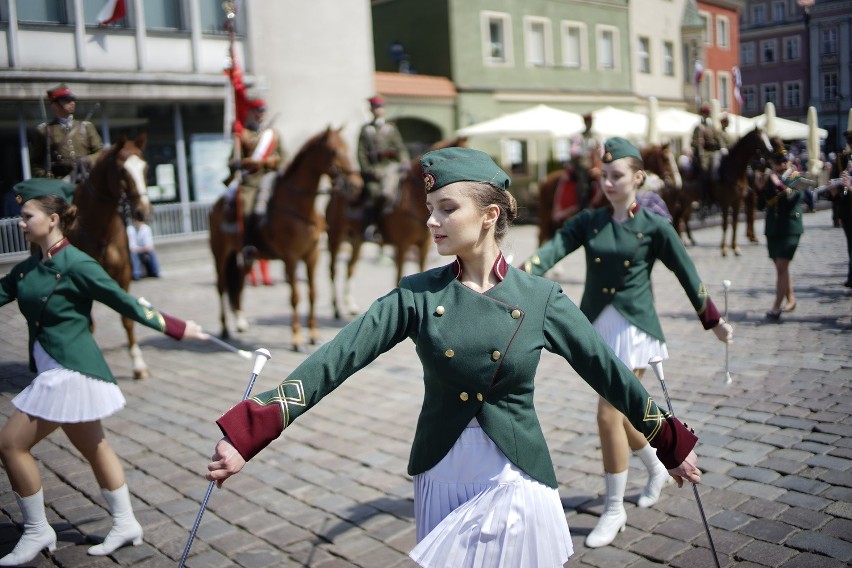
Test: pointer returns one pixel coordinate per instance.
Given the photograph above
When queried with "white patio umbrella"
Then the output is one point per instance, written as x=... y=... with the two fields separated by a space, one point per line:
x=540 y=121
x=610 y=121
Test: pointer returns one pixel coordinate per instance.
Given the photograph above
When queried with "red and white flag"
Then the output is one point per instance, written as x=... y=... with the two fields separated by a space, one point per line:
x=112 y=11
x=696 y=79
x=738 y=84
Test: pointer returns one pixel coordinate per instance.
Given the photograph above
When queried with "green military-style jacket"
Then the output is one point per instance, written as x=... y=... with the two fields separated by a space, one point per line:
x=783 y=210
x=479 y=354
x=66 y=143
x=56 y=298
x=619 y=260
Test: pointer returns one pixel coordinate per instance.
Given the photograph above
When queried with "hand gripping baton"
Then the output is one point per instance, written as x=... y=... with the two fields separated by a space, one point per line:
x=262 y=357
x=657 y=365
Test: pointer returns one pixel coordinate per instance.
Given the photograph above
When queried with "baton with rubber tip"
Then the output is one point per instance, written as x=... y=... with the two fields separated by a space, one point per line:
x=262 y=357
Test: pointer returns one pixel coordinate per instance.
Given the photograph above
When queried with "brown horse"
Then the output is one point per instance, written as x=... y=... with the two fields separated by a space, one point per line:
x=119 y=171
x=291 y=232
x=402 y=226
x=727 y=190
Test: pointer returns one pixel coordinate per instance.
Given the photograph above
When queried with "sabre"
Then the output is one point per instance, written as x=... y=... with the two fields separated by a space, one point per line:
x=262 y=357
x=726 y=284
x=657 y=365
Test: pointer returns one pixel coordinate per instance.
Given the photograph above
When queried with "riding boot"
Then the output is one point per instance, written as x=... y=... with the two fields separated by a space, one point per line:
x=614 y=517
x=125 y=528
x=38 y=534
x=658 y=476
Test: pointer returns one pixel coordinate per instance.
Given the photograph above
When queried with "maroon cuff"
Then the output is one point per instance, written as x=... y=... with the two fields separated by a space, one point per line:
x=251 y=427
x=710 y=316
x=174 y=326
x=673 y=442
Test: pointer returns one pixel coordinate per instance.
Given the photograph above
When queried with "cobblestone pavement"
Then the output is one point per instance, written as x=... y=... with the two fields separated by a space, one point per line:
x=775 y=445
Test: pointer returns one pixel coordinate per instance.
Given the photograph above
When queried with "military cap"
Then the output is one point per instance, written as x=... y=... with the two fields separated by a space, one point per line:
x=617 y=147
x=376 y=101
x=449 y=165
x=60 y=91
x=40 y=187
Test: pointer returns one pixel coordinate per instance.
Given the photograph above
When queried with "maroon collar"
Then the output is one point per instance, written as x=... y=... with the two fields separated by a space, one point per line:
x=500 y=268
x=51 y=252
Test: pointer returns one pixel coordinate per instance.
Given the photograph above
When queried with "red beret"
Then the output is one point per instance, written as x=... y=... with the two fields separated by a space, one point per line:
x=377 y=101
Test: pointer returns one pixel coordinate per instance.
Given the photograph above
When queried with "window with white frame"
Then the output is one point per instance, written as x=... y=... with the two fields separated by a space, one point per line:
x=793 y=94
x=792 y=48
x=749 y=98
x=829 y=41
x=537 y=33
x=758 y=14
x=778 y=11
x=747 y=54
x=707 y=20
x=574 y=45
x=497 y=38
x=643 y=54
x=723 y=32
x=668 y=59
x=769 y=93
x=607 y=47
x=768 y=51
x=42 y=11
x=829 y=86
x=724 y=89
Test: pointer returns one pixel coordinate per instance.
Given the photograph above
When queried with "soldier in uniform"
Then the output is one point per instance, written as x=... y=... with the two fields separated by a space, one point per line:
x=74 y=389
x=381 y=155
x=479 y=325
x=783 y=227
x=586 y=162
x=261 y=151
x=622 y=243
x=706 y=143
x=64 y=145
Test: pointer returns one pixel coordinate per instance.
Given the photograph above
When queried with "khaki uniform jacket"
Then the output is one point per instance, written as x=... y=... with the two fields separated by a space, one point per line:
x=619 y=260
x=80 y=139
x=56 y=299
x=783 y=210
x=479 y=354
x=380 y=146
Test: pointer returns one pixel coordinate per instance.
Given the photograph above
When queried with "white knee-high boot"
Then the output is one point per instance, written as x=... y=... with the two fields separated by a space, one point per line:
x=614 y=517
x=658 y=476
x=38 y=534
x=125 y=528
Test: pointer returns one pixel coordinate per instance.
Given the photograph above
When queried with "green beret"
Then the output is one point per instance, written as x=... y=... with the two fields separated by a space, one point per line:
x=38 y=187
x=617 y=147
x=449 y=165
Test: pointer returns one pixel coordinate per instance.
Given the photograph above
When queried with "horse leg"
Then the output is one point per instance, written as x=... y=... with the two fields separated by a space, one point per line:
x=310 y=269
x=348 y=301
x=295 y=324
x=140 y=369
x=735 y=214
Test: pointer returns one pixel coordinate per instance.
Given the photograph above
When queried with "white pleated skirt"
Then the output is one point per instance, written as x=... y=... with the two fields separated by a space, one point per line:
x=632 y=345
x=61 y=395
x=476 y=509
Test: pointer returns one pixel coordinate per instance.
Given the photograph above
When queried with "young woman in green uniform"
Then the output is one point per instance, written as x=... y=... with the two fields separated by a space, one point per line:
x=783 y=228
x=484 y=485
x=74 y=389
x=622 y=243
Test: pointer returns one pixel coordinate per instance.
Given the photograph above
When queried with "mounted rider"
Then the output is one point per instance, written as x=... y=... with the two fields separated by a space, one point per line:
x=382 y=156
x=64 y=148
x=706 y=142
